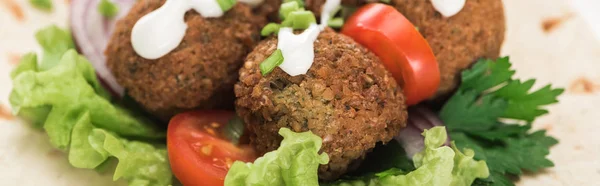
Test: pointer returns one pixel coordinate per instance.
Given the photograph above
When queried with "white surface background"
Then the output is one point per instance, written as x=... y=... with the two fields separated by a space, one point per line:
x=565 y=56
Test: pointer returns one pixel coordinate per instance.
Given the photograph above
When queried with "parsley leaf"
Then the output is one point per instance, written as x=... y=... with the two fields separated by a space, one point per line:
x=523 y=105
x=473 y=116
x=501 y=132
x=467 y=111
x=486 y=74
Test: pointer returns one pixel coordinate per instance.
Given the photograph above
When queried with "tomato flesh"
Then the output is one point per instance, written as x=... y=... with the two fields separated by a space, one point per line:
x=198 y=151
x=402 y=49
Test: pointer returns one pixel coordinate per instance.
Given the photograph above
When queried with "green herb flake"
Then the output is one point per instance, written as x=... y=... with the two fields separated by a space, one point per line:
x=286 y=8
x=337 y=22
x=226 y=4
x=271 y=62
x=301 y=19
x=271 y=28
x=108 y=9
x=292 y=15
x=45 y=5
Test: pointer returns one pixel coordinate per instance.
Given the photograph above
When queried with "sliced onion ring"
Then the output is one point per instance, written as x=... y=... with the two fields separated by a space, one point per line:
x=419 y=119
x=91 y=32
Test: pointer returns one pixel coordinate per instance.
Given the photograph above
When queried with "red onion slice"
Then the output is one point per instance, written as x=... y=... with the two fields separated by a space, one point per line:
x=419 y=119
x=91 y=32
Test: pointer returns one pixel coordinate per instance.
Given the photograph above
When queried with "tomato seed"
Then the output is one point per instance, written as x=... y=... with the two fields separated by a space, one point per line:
x=206 y=150
x=229 y=162
x=210 y=131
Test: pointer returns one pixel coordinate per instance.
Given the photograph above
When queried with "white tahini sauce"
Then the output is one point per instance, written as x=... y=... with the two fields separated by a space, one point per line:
x=448 y=8
x=328 y=8
x=298 y=50
x=159 y=32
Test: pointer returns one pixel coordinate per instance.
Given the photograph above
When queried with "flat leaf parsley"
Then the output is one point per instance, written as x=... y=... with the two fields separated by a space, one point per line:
x=473 y=116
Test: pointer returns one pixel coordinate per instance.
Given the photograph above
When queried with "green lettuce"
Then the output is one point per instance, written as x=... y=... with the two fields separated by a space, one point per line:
x=436 y=165
x=138 y=162
x=62 y=96
x=54 y=42
x=294 y=163
x=72 y=85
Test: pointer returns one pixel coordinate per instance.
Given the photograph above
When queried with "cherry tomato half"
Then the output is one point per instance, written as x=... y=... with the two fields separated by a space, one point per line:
x=403 y=50
x=198 y=151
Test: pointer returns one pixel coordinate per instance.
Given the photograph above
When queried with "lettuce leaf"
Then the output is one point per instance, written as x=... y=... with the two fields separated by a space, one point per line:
x=54 y=42
x=466 y=169
x=435 y=165
x=72 y=84
x=294 y=163
x=139 y=163
x=63 y=96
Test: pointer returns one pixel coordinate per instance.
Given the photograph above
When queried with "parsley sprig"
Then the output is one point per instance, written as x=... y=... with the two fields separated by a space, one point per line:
x=473 y=116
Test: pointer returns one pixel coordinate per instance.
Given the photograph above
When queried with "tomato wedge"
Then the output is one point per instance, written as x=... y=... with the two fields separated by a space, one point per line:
x=198 y=150
x=403 y=50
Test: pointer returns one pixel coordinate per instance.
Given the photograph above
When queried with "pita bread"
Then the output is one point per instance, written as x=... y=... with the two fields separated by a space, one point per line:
x=554 y=41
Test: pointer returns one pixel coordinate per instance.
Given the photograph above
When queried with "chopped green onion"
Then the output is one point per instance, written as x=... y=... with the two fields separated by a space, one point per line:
x=271 y=28
x=234 y=129
x=287 y=8
x=386 y=1
x=300 y=2
x=293 y=15
x=299 y=19
x=42 y=4
x=107 y=8
x=271 y=62
x=337 y=22
x=336 y=11
x=226 y=4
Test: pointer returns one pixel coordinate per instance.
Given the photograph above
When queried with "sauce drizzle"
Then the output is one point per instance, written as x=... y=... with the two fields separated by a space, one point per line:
x=159 y=32
x=448 y=8
x=298 y=50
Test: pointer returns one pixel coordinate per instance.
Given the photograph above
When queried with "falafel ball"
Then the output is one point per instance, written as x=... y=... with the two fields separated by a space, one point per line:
x=347 y=98
x=477 y=31
x=199 y=73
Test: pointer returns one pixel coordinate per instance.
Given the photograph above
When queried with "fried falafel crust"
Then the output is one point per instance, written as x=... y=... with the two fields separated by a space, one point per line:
x=477 y=31
x=199 y=73
x=347 y=98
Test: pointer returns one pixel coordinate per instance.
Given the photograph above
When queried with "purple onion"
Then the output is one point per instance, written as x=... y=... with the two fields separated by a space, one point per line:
x=419 y=119
x=91 y=32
